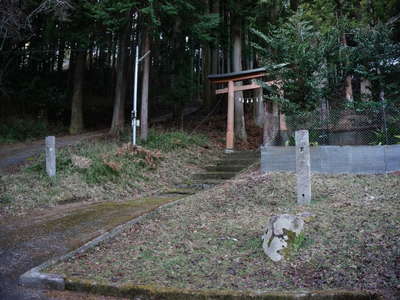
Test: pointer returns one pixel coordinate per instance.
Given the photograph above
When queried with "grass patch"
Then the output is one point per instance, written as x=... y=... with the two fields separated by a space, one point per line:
x=174 y=140
x=116 y=172
x=213 y=239
x=6 y=199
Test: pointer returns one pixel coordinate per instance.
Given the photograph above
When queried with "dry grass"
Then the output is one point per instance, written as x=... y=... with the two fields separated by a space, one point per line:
x=118 y=173
x=212 y=240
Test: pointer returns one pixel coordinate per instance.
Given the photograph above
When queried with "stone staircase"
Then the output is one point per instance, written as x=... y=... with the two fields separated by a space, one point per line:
x=227 y=167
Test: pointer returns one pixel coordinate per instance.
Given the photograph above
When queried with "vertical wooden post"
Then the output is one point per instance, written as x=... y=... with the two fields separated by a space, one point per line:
x=231 y=116
x=303 y=167
x=51 y=156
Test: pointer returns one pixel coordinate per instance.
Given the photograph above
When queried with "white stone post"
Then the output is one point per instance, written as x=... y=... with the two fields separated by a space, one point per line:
x=51 y=156
x=303 y=167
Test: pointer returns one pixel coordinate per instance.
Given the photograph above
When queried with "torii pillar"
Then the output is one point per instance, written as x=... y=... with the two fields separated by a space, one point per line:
x=230 y=79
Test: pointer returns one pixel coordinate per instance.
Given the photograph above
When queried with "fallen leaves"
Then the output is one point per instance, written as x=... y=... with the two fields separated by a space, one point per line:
x=151 y=157
x=213 y=238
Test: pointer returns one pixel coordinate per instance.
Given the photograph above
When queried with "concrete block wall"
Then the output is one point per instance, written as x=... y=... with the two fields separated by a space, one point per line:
x=335 y=159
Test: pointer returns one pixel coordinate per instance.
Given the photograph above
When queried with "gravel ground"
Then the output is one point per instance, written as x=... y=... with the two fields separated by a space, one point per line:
x=212 y=240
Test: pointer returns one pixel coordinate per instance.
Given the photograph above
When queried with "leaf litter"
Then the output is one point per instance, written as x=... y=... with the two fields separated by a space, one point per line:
x=212 y=240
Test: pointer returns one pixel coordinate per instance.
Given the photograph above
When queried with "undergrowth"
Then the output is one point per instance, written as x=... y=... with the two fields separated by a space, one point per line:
x=18 y=130
x=169 y=141
x=115 y=171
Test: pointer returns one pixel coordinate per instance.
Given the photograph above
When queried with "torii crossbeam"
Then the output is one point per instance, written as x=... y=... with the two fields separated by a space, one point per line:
x=231 y=78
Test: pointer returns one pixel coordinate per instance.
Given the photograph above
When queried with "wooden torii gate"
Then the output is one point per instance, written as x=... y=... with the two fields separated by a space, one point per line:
x=230 y=79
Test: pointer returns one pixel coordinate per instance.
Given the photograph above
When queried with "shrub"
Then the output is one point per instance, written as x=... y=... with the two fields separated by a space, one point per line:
x=18 y=130
x=173 y=140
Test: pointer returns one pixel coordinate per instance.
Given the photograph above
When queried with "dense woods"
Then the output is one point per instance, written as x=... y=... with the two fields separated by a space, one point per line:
x=71 y=62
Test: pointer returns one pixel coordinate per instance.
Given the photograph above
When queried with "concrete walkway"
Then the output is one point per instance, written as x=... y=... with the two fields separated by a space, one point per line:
x=29 y=241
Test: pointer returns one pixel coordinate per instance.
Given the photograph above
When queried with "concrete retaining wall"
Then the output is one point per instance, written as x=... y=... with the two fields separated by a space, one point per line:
x=335 y=159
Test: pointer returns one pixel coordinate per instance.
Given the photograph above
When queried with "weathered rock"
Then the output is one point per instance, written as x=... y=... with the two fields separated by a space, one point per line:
x=81 y=162
x=280 y=233
x=306 y=216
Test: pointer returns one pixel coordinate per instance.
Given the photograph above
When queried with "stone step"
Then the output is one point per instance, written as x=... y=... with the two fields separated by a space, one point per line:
x=252 y=155
x=230 y=158
x=243 y=153
x=214 y=175
x=226 y=168
x=199 y=185
x=179 y=191
x=231 y=162
x=205 y=183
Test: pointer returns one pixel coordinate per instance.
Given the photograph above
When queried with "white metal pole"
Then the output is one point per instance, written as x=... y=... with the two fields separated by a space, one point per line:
x=134 y=108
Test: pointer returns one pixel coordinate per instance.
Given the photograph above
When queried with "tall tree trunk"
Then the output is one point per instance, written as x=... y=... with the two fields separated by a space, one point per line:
x=294 y=4
x=365 y=89
x=206 y=71
x=206 y=61
x=240 y=129
x=283 y=130
x=145 y=90
x=61 y=53
x=76 y=125
x=177 y=64
x=349 y=88
x=214 y=49
x=259 y=108
x=271 y=124
x=118 y=119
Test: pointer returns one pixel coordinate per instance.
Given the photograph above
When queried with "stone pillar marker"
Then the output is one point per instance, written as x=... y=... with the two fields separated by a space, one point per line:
x=303 y=167
x=51 y=156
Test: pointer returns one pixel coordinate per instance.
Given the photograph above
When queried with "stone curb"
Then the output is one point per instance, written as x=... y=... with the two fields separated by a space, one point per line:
x=34 y=278
x=148 y=292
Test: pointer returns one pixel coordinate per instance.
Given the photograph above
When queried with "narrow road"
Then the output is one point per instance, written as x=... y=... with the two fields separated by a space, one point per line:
x=13 y=155
x=29 y=241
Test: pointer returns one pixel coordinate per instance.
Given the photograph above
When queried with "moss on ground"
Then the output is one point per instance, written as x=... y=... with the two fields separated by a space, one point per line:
x=100 y=216
x=149 y=292
x=212 y=240
x=117 y=172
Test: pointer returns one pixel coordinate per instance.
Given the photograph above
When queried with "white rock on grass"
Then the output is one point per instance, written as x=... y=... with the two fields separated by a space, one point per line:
x=279 y=233
x=81 y=162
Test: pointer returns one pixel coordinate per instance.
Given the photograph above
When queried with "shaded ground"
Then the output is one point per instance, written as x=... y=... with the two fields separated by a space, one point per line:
x=212 y=239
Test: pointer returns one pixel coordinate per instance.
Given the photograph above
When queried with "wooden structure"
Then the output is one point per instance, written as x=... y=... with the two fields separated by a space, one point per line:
x=230 y=79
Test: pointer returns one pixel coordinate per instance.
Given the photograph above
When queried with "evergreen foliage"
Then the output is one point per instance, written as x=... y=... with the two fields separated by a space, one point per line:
x=311 y=46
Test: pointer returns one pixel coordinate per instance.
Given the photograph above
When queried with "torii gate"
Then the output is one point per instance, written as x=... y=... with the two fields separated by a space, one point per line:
x=231 y=78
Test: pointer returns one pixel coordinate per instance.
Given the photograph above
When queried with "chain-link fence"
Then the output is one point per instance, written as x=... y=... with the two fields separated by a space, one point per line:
x=371 y=126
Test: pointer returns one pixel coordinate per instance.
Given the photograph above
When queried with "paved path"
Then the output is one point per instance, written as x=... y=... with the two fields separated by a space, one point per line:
x=29 y=241
x=12 y=155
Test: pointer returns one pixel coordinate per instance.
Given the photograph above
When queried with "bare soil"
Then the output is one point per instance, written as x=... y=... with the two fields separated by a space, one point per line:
x=212 y=240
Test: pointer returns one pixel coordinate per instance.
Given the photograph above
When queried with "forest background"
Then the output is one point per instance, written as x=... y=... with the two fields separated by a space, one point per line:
x=70 y=63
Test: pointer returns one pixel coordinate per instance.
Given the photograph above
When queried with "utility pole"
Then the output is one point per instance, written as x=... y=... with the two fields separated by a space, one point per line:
x=134 y=121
